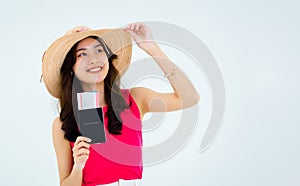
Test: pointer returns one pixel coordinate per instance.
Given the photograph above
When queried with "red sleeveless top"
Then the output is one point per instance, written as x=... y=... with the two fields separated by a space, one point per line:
x=121 y=156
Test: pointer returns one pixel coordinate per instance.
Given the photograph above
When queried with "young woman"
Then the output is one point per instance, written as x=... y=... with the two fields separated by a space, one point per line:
x=86 y=60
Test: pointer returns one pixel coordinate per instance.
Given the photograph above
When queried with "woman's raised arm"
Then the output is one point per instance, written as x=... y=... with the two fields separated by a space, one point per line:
x=184 y=95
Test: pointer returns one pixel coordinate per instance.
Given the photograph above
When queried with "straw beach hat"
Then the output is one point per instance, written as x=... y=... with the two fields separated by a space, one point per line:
x=118 y=40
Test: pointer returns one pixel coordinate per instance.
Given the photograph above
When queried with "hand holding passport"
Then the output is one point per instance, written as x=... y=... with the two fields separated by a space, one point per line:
x=90 y=117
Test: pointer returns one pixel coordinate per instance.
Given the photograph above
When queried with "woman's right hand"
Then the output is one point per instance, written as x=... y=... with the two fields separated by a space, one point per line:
x=81 y=152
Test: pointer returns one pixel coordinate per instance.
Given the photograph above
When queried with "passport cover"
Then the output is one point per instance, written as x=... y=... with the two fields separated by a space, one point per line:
x=91 y=124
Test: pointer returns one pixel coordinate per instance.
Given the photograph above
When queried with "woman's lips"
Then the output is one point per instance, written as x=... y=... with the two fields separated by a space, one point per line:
x=95 y=69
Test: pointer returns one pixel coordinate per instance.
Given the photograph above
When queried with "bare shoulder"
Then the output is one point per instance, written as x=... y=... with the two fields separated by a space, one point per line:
x=139 y=93
x=140 y=96
x=56 y=127
x=136 y=91
x=58 y=135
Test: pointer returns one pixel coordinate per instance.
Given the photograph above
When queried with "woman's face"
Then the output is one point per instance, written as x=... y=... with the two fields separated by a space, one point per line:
x=91 y=65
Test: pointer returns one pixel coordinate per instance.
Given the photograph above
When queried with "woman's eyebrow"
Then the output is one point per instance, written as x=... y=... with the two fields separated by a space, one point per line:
x=80 y=49
x=86 y=48
x=98 y=45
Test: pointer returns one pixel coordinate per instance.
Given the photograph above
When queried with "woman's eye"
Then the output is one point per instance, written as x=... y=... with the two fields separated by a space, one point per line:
x=99 y=50
x=81 y=54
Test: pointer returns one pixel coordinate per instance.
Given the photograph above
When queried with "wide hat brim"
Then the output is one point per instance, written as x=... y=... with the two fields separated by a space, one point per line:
x=118 y=40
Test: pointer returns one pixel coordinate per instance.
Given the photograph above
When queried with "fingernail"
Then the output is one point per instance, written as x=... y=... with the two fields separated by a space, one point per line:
x=89 y=140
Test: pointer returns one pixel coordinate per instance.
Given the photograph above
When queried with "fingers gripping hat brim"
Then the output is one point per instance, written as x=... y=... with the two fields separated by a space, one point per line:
x=117 y=40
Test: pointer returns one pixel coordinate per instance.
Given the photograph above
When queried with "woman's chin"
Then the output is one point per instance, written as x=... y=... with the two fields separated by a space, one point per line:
x=96 y=80
x=92 y=82
x=99 y=80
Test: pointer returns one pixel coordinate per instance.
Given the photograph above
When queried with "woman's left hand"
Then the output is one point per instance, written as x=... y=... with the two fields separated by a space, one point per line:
x=141 y=34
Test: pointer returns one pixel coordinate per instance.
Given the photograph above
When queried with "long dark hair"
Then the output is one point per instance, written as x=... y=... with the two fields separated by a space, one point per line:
x=71 y=86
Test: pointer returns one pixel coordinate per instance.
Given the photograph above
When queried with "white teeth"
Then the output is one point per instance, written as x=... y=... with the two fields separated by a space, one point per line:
x=95 y=69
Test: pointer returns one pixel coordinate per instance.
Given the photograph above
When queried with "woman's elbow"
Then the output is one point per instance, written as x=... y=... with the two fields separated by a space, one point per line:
x=195 y=99
x=191 y=100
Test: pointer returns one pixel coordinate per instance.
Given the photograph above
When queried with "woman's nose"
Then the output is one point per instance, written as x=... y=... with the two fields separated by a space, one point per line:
x=93 y=59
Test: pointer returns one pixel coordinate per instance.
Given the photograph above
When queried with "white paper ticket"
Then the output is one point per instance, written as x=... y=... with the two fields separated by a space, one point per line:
x=88 y=100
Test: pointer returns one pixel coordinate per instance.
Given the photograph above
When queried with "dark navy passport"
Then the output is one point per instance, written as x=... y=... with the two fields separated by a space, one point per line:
x=91 y=125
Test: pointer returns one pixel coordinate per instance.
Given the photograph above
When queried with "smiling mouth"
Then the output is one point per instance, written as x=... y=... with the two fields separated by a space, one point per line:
x=95 y=69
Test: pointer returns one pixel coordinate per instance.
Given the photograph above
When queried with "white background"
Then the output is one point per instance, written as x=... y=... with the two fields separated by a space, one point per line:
x=256 y=45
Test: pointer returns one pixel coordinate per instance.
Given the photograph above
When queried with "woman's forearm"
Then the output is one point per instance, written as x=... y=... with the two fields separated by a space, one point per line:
x=74 y=179
x=182 y=86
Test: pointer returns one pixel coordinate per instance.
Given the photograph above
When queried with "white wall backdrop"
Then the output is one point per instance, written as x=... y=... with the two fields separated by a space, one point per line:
x=256 y=45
